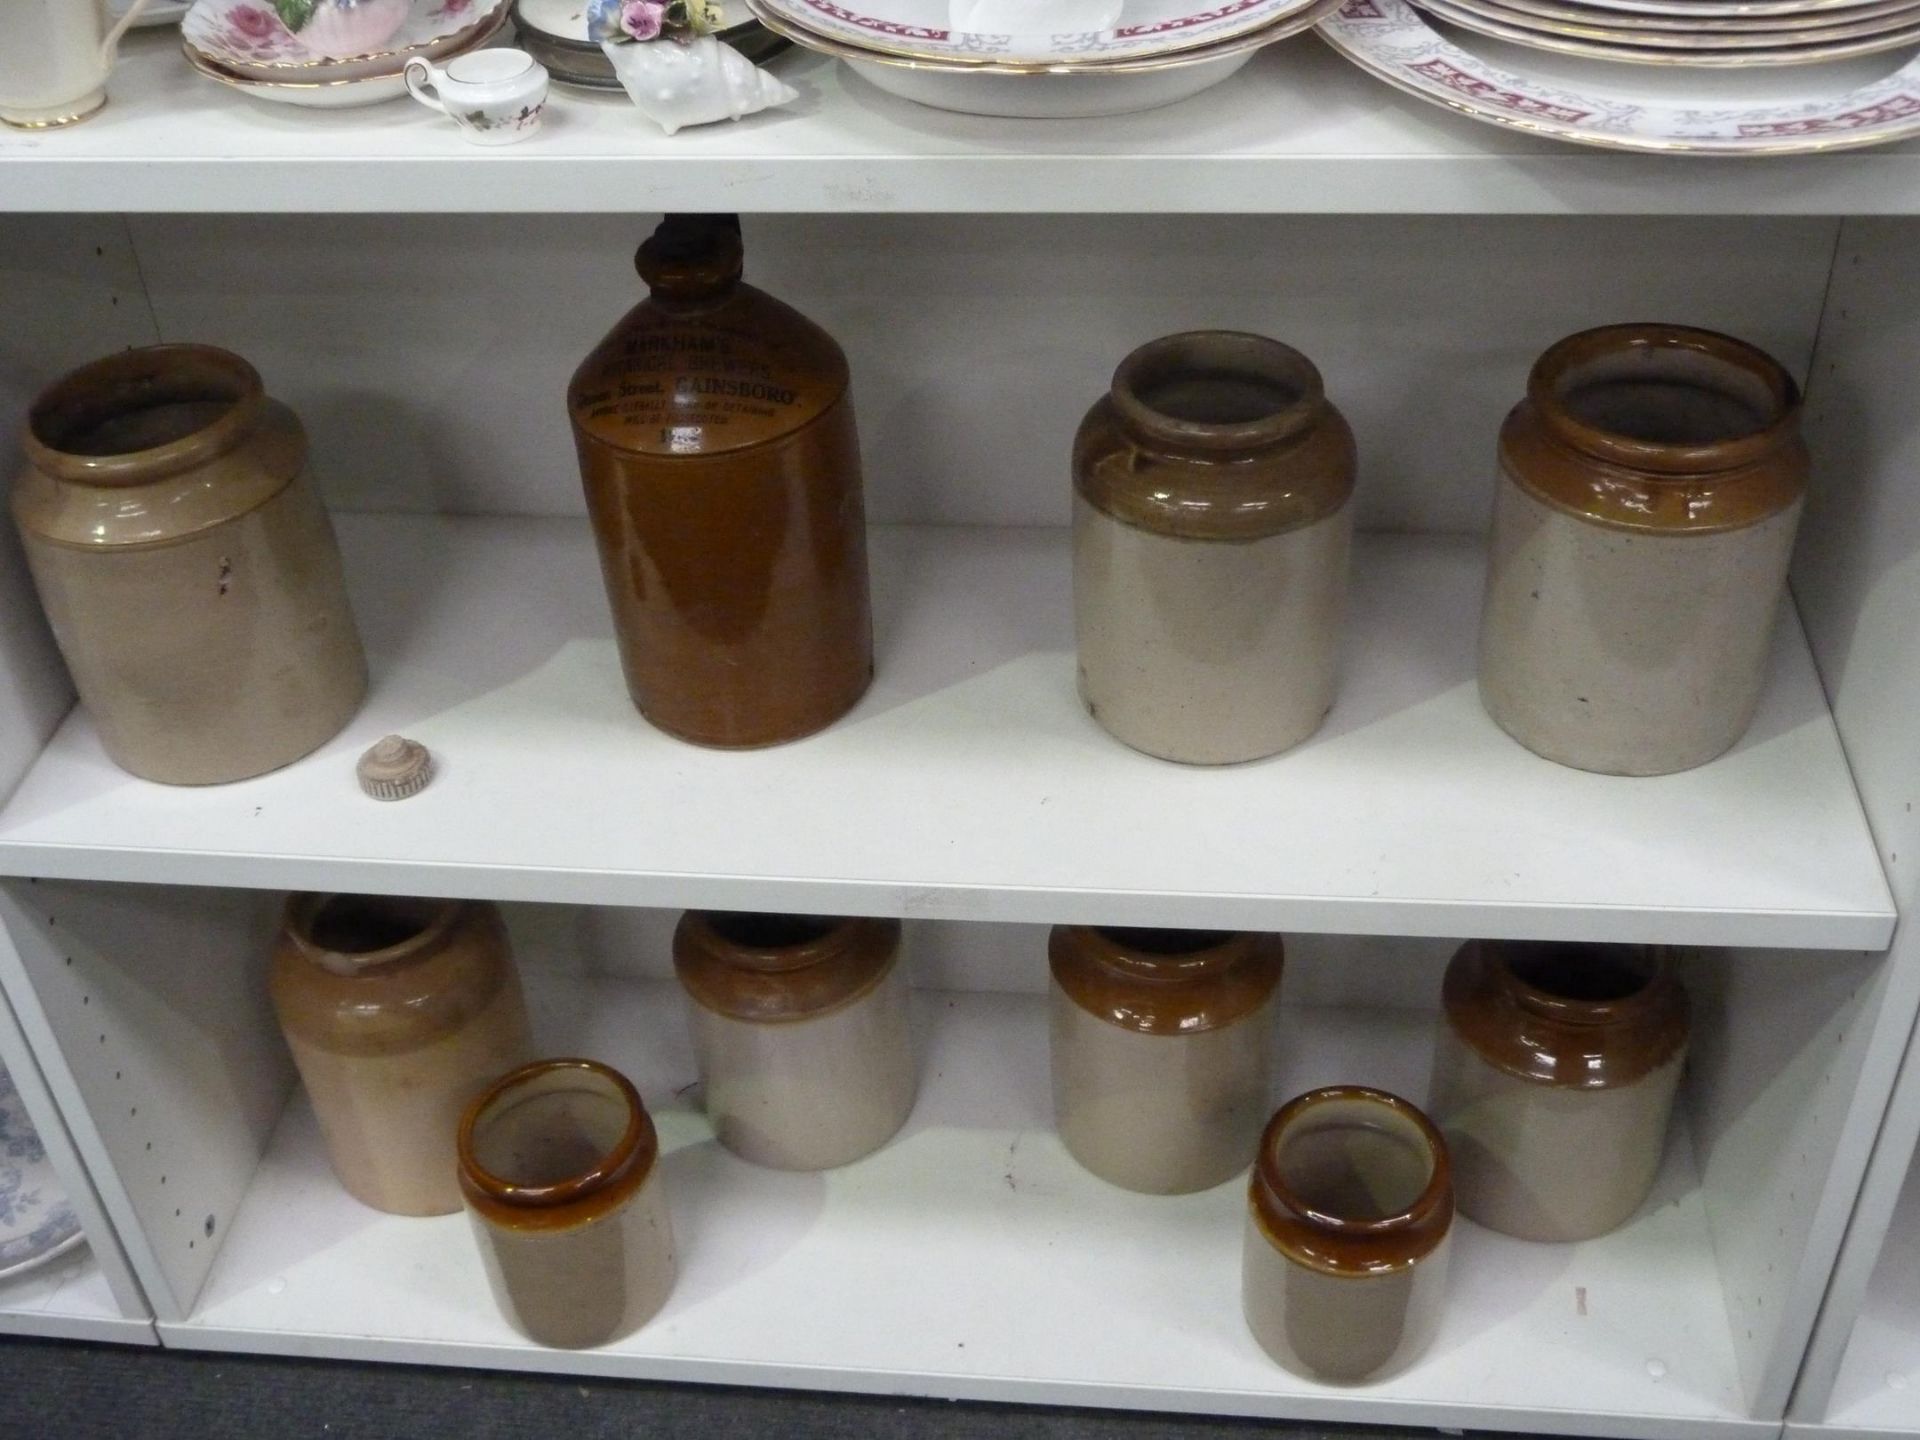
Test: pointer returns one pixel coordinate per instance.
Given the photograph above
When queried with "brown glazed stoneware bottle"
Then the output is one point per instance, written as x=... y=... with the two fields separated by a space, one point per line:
x=1349 y=1218
x=1554 y=1081
x=1211 y=528
x=186 y=565
x=1162 y=1051
x=800 y=1026
x=398 y=1013
x=560 y=1171
x=722 y=471
x=1650 y=487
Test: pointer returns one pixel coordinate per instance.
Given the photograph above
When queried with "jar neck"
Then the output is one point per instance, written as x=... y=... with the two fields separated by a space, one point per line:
x=1667 y=401
x=1215 y=393
x=1169 y=956
x=770 y=944
x=1580 y=984
x=555 y=1143
x=356 y=935
x=692 y=262
x=143 y=415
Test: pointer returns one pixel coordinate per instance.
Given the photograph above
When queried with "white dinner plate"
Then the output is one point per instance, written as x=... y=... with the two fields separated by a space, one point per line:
x=36 y=1220
x=1769 y=50
x=1584 y=12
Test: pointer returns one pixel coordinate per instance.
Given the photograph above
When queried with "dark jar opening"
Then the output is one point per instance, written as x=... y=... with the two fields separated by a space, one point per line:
x=767 y=941
x=143 y=414
x=1217 y=390
x=1154 y=954
x=1578 y=984
x=347 y=934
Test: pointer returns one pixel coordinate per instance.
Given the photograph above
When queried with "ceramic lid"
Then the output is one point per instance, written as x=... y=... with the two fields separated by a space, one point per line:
x=1165 y=982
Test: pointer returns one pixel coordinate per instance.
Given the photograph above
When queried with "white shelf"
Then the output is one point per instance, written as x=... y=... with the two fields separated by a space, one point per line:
x=1299 y=130
x=973 y=1259
x=971 y=785
x=68 y=1299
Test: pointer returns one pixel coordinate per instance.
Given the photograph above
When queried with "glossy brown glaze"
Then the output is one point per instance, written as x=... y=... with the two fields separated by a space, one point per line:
x=1165 y=982
x=717 y=447
x=604 y=1181
x=1588 y=1017
x=1334 y=1237
x=773 y=968
x=1215 y=435
x=1659 y=428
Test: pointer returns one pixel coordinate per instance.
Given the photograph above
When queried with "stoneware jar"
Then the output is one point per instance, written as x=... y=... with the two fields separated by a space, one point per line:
x=1211 y=527
x=1554 y=1080
x=1349 y=1215
x=186 y=565
x=1650 y=486
x=801 y=1030
x=1162 y=1051
x=716 y=442
x=398 y=1013
x=560 y=1170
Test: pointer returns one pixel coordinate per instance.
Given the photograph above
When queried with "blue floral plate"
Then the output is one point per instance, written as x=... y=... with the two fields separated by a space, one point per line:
x=36 y=1222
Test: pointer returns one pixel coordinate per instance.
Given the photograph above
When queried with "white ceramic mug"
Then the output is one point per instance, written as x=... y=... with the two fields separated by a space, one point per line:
x=54 y=59
x=496 y=96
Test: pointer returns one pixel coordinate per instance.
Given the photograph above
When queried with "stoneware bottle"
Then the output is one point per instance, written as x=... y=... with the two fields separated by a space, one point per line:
x=1162 y=1051
x=1650 y=487
x=1349 y=1216
x=801 y=1030
x=560 y=1170
x=722 y=471
x=398 y=1013
x=1554 y=1080
x=187 y=567
x=1211 y=527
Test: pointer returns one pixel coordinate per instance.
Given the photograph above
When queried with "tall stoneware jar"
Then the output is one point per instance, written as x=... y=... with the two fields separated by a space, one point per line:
x=1650 y=487
x=1211 y=527
x=1349 y=1218
x=560 y=1171
x=1162 y=1051
x=801 y=1029
x=398 y=1013
x=1554 y=1080
x=716 y=442
x=186 y=565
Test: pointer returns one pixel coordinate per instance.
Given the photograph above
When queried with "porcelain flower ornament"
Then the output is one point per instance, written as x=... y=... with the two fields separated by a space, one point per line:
x=673 y=67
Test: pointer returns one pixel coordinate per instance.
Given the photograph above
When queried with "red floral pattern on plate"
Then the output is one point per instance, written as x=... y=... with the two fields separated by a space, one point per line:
x=1455 y=78
x=1896 y=107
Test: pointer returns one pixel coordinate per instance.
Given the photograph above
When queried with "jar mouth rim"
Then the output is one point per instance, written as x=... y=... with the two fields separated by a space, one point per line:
x=1210 y=951
x=116 y=385
x=1238 y=354
x=1548 y=389
x=822 y=936
x=304 y=910
x=1652 y=968
x=637 y=1143
x=1417 y=1214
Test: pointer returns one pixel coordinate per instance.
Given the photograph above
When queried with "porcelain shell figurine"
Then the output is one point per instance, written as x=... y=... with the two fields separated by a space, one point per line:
x=1349 y=1224
x=1554 y=1082
x=677 y=84
x=496 y=97
x=1650 y=487
x=1162 y=1047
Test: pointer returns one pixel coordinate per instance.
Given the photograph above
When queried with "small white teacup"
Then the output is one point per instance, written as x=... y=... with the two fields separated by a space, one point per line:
x=496 y=96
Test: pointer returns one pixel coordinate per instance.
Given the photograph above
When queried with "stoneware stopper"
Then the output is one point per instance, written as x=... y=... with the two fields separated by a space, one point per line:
x=395 y=768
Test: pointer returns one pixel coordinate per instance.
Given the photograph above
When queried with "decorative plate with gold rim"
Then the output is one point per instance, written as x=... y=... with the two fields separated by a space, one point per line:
x=248 y=38
x=1583 y=12
x=1669 y=110
x=1638 y=48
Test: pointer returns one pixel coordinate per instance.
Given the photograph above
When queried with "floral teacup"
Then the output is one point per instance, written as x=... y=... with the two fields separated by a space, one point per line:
x=496 y=96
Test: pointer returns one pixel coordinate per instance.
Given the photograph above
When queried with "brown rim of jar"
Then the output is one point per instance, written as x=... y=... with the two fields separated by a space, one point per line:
x=435 y=920
x=142 y=378
x=1543 y=1033
x=580 y=1198
x=1633 y=483
x=1165 y=982
x=775 y=968
x=1219 y=469
x=1334 y=1244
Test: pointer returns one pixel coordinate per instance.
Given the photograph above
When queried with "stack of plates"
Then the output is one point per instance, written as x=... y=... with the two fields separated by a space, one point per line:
x=554 y=32
x=1041 y=58
x=1693 y=32
x=241 y=43
x=36 y=1220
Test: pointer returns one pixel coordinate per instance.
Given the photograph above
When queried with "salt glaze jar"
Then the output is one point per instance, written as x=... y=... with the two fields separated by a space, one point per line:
x=186 y=565
x=716 y=442
x=560 y=1170
x=1211 y=527
x=1554 y=1082
x=398 y=1013
x=1650 y=487
x=801 y=1031
x=1349 y=1218
x=1162 y=1051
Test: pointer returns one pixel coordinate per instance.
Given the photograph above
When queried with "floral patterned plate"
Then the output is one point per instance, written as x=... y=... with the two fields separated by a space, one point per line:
x=247 y=38
x=1578 y=12
x=1639 y=48
x=1674 y=109
x=36 y=1222
x=1030 y=32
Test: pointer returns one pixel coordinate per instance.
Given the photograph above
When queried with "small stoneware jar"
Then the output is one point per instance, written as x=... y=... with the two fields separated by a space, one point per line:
x=1162 y=1051
x=801 y=1030
x=1211 y=527
x=1554 y=1081
x=1650 y=487
x=398 y=1013
x=560 y=1169
x=186 y=565
x=1349 y=1215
